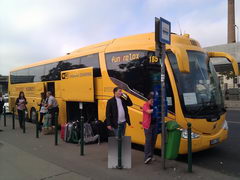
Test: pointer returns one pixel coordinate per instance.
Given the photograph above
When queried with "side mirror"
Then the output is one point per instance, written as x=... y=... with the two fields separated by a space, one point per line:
x=228 y=57
x=182 y=59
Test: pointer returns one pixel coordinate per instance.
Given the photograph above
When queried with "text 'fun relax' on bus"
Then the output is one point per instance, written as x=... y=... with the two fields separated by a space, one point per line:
x=89 y=75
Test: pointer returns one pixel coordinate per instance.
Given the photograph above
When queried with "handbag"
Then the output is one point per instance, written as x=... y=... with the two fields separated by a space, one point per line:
x=43 y=109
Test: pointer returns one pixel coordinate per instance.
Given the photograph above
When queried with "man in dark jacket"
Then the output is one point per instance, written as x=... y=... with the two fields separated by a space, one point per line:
x=1 y=105
x=117 y=111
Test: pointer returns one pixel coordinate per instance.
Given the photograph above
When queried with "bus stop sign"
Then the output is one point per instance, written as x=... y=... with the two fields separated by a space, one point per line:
x=164 y=31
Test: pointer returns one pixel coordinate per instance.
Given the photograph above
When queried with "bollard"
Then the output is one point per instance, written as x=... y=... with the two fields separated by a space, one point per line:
x=119 y=139
x=13 y=118
x=56 y=128
x=189 y=147
x=4 y=115
x=23 y=121
x=82 y=136
x=37 y=125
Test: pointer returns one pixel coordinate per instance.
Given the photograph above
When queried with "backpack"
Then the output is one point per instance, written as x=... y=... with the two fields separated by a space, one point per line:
x=89 y=137
x=71 y=132
x=99 y=127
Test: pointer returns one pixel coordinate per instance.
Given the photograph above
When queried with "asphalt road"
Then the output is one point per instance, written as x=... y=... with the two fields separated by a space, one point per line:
x=225 y=157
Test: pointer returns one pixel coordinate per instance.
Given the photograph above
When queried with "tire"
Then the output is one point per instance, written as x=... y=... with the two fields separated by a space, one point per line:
x=33 y=115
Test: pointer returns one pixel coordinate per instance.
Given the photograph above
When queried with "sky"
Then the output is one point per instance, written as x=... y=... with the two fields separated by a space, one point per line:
x=35 y=30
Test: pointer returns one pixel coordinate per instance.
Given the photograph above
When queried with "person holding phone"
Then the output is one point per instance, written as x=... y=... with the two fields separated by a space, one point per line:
x=149 y=125
x=117 y=111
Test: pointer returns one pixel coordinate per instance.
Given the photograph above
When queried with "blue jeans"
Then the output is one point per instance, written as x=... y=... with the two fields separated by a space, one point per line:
x=122 y=129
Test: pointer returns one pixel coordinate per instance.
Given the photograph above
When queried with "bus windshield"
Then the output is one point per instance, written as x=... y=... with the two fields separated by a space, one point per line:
x=199 y=90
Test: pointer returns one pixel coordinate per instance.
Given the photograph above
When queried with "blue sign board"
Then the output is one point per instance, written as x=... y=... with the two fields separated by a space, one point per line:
x=165 y=31
x=157 y=107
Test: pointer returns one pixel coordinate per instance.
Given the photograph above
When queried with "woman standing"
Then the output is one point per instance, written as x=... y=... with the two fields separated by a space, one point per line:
x=43 y=109
x=21 y=107
x=149 y=125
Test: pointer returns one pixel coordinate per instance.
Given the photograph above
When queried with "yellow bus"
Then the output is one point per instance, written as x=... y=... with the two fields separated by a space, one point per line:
x=89 y=75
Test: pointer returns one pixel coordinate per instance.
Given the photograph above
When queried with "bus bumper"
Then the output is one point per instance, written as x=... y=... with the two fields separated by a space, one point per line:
x=203 y=142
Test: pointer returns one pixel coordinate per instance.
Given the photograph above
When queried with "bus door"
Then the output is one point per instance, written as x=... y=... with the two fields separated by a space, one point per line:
x=77 y=86
x=51 y=87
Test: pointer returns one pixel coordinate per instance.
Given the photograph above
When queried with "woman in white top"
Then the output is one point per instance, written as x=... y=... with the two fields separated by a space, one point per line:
x=43 y=110
x=21 y=107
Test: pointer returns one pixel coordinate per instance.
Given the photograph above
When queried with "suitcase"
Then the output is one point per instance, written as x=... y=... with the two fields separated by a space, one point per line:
x=63 y=129
x=89 y=136
x=98 y=127
x=71 y=132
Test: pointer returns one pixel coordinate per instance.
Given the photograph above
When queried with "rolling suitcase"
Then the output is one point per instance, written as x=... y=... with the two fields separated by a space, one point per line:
x=63 y=129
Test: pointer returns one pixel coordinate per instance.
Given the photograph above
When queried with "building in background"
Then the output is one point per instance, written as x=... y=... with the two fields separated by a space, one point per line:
x=222 y=65
x=4 y=84
x=230 y=84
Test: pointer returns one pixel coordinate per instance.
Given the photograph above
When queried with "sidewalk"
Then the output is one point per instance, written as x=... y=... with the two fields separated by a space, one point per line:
x=23 y=157
x=232 y=105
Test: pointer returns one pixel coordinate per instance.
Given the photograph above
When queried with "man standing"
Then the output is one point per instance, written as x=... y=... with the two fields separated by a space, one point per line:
x=117 y=111
x=52 y=106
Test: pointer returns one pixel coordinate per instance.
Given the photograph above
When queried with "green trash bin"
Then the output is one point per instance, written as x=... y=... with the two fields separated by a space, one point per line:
x=173 y=140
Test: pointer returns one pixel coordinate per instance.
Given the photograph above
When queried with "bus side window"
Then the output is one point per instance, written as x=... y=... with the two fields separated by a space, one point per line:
x=50 y=72
x=92 y=61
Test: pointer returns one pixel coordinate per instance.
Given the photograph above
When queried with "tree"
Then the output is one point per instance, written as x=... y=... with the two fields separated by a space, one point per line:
x=228 y=74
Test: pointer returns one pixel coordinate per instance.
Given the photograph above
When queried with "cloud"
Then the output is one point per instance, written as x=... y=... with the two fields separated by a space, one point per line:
x=208 y=26
x=33 y=30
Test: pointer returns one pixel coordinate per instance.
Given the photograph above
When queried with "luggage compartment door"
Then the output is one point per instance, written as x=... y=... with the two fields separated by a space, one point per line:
x=77 y=85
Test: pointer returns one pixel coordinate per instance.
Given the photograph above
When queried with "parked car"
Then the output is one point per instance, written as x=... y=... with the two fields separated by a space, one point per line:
x=6 y=104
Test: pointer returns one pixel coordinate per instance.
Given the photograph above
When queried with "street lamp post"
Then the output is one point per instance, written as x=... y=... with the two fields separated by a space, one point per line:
x=237 y=32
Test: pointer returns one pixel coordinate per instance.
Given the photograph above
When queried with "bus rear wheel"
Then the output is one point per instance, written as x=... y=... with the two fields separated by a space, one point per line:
x=33 y=115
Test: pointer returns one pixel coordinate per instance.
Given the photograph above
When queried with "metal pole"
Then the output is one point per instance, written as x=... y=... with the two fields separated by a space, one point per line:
x=119 y=139
x=82 y=135
x=163 y=103
x=160 y=53
x=13 y=118
x=56 y=128
x=237 y=33
x=37 y=125
x=23 y=121
x=189 y=147
x=4 y=115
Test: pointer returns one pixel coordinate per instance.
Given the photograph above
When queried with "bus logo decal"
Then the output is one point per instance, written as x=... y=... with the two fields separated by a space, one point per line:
x=64 y=75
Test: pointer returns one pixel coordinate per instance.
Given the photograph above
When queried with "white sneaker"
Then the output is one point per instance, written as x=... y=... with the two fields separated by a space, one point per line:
x=147 y=160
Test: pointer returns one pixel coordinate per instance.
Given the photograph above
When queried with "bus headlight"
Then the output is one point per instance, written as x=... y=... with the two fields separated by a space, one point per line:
x=225 y=125
x=185 y=134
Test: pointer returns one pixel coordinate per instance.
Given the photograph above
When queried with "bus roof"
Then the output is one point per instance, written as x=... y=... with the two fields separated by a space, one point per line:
x=135 y=42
